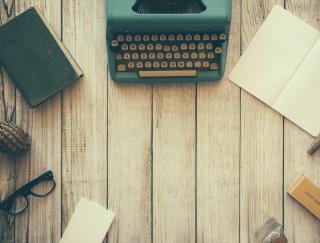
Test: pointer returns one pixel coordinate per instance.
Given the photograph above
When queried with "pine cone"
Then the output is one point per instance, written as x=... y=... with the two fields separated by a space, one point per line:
x=13 y=140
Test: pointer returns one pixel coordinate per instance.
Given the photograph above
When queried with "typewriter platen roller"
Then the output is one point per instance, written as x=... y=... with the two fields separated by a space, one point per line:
x=168 y=40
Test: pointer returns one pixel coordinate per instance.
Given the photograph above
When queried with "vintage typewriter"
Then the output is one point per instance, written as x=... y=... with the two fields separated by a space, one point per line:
x=167 y=40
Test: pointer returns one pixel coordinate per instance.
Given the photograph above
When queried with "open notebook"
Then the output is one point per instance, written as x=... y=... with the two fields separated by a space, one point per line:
x=281 y=67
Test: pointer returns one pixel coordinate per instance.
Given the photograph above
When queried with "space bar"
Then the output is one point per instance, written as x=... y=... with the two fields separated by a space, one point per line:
x=168 y=73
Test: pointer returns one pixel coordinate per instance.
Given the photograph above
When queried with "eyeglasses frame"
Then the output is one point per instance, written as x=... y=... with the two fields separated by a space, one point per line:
x=25 y=191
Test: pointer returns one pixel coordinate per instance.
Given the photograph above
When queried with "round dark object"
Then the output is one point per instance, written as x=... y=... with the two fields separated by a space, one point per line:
x=13 y=140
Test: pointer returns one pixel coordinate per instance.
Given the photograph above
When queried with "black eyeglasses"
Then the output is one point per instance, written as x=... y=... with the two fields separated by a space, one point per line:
x=18 y=202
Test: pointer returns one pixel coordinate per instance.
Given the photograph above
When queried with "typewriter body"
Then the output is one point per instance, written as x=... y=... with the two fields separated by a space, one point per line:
x=167 y=40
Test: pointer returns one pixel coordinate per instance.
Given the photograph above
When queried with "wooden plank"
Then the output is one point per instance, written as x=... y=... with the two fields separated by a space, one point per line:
x=129 y=161
x=300 y=225
x=218 y=151
x=261 y=173
x=7 y=112
x=174 y=163
x=84 y=144
x=42 y=222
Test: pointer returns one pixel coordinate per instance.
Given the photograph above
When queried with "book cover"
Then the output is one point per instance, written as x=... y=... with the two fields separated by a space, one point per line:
x=35 y=58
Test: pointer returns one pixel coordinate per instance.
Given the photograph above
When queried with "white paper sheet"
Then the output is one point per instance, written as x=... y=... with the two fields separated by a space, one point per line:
x=89 y=223
x=279 y=68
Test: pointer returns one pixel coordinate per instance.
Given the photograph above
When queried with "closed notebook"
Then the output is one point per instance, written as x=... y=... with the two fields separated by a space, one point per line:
x=280 y=67
x=35 y=58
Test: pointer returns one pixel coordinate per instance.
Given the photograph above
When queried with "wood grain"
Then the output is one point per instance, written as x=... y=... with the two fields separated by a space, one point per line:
x=42 y=221
x=300 y=225
x=174 y=163
x=84 y=144
x=184 y=162
x=261 y=143
x=44 y=126
x=129 y=161
x=7 y=112
x=218 y=151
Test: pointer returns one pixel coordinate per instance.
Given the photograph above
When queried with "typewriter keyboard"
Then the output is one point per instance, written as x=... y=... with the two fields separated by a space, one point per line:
x=167 y=55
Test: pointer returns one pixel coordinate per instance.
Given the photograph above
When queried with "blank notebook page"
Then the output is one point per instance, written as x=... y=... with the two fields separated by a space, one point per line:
x=274 y=54
x=300 y=101
x=271 y=61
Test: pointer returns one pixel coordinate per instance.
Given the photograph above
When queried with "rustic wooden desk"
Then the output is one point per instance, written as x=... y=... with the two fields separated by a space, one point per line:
x=177 y=163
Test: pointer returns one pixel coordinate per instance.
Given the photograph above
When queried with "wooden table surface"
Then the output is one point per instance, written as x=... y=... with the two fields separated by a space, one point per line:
x=177 y=163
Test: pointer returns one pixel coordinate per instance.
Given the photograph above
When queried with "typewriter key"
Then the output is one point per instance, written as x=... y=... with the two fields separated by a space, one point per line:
x=205 y=64
x=119 y=56
x=197 y=64
x=146 y=37
x=135 y=56
x=168 y=73
x=222 y=36
x=197 y=37
x=171 y=37
x=188 y=37
x=206 y=37
x=192 y=46
x=214 y=37
x=175 y=48
x=189 y=64
x=218 y=50
x=137 y=38
x=179 y=37
x=160 y=55
x=154 y=37
x=120 y=38
x=126 y=56
x=121 y=68
x=156 y=64
x=201 y=46
x=124 y=47
x=152 y=55
x=131 y=65
x=181 y=64
x=202 y=55
x=183 y=46
x=128 y=37
x=142 y=47
x=148 y=65
x=166 y=48
x=173 y=64
x=139 y=65
x=150 y=47
x=214 y=66
x=210 y=55
x=185 y=55
x=133 y=47
x=168 y=55
x=209 y=46
x=164 y=64
x=163 y=37
x=194 y=55
x=158 y=47
x=177 y=55
x=143 y=56
x=114 y=43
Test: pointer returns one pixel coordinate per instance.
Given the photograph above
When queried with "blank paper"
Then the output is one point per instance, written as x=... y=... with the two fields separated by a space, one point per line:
x=280 y=68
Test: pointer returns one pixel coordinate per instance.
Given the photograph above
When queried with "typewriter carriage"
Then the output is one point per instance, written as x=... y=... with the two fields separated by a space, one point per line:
x=121 y=12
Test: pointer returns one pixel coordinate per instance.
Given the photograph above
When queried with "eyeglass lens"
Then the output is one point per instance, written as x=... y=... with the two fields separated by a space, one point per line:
x=18 y=205
x=43 y=189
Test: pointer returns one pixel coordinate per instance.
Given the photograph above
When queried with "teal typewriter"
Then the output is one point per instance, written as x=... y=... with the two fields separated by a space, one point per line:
x=167 y=40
